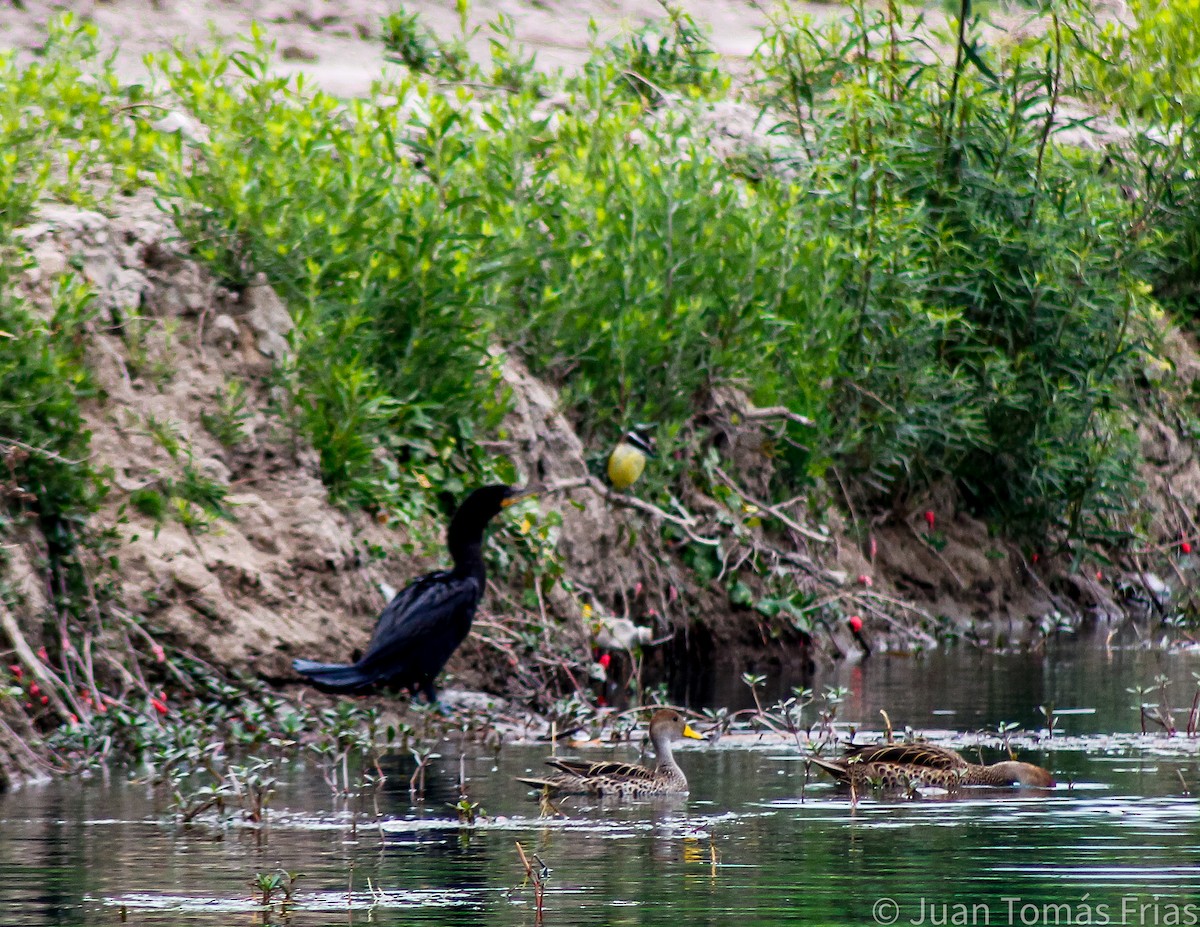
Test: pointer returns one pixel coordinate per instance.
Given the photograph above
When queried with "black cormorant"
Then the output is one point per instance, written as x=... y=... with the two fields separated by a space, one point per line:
x=427 y=620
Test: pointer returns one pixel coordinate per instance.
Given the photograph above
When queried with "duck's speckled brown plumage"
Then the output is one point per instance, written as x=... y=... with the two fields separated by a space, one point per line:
x=626 y=780
x=901 y=766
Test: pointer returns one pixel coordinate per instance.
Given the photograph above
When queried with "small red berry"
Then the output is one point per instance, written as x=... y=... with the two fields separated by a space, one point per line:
x=865 y=580
x=1186 y=547
x=15 y=669
x=159 y=705
x=1035 y=558
x=29 y=704
x=74 y=719
x=42 y=655
x=855 y=623
x=930 y=518
x=605 y=659
x=34 y=688
x=159 y=655
x=45 y=700
x=1099 y=576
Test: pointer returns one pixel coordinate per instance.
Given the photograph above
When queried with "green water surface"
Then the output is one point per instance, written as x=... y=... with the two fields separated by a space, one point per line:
x=1117 y=842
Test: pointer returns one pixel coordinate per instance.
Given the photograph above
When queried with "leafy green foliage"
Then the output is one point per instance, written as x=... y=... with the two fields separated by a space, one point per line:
x=409 y=41
x=227 y=422
x=1141 y=72
x=373 y=258
x=673 y=55
x=43 y=438
x=999 y=313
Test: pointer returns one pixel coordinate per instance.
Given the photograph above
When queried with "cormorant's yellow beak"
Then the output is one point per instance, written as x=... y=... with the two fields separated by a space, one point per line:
x=689 y=731
x=517 y=497
x=625 y=465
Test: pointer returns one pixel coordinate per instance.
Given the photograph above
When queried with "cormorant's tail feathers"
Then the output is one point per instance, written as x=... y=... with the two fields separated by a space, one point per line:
x=334 y=677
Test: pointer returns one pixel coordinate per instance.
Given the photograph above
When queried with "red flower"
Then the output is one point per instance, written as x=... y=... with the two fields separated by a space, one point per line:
x=855 y=623
x=605 y=659
x=930 y=518
x=15 y=669
x=34 y=688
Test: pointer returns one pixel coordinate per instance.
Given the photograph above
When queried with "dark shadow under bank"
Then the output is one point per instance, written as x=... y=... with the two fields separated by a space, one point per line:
x=956 y=687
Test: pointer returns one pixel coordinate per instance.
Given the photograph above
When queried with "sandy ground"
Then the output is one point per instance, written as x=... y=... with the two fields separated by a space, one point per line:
x=338 y=43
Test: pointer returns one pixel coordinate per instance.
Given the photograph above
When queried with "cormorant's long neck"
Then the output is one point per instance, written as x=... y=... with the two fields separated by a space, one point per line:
x=465 y=540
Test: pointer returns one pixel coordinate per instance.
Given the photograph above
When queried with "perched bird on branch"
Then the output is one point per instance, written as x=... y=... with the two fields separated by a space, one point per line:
x=426 y=621
x=628 y=460
x=627 y=780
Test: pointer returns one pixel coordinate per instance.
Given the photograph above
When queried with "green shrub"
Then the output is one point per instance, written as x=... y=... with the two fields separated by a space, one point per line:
x=657 y=277
x=67 y=122
x=999 y=313
x=43 y=437
x=670 y=56
x=370 y=255
x=1142 y=74
x=409 y=41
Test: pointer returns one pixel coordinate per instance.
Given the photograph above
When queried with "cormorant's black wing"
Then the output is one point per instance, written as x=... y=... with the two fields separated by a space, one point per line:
x=395 y=613
x=421 y=627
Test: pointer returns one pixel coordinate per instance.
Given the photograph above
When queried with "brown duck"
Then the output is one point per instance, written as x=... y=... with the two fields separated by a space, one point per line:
x=901 y=766
x=626 y=780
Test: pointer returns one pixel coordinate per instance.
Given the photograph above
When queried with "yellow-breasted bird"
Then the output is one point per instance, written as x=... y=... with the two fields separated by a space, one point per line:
x=628 y=460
